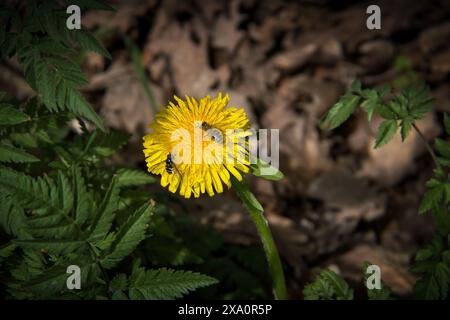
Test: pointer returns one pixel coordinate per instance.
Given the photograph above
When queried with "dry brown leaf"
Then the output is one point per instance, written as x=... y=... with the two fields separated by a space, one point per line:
x=339 y=189
x=125 y=106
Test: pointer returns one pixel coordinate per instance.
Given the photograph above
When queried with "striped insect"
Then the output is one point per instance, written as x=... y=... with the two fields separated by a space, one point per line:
x=214 y=133
x=170 y=166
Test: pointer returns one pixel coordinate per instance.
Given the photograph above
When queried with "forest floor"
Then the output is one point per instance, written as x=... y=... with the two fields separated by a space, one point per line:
x=286 y=63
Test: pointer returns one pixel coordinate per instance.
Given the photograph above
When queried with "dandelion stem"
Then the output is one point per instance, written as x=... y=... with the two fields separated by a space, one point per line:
x=256 y=212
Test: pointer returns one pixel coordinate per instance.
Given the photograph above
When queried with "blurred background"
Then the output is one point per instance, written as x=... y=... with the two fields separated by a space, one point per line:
x=286 y=62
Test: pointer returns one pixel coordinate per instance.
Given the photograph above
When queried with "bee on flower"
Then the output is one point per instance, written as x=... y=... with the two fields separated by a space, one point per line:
x=197 y=145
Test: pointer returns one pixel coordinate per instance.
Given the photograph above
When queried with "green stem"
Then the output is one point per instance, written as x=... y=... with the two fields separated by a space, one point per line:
x=428 y=146
x=140 y=71
x=273 y=259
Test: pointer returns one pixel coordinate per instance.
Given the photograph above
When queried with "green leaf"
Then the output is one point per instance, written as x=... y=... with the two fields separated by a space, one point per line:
x=11 y=116
x=405 y=127
x=164 y=284
x=434 y=197
x=65 y=194
x=266 y=171
x=447 y=123
x=6 y=251
x=356 y=87
x=12 y=216
x=434 y=285
x=9 y=153
x=446 y=257
x=32 y=264
x=328 y=286
x=418 y=99
x=56 y=80
x=57 y=246
x=119 y=295
x=340 y=112
x=54 y=280
x=78 y=104
x=386 y=132
x=107 y=242
x=33 y=193
x=385 y=112
x=373 y=102
x=51 y=203
x=442 y=218
x=370 y=107
x=129 y=236
x=443 y=148
x=105 y=145
x=133 y=177
x=424 y=254
x=87 y=41
x=82 y=199
x=119 y=282
x=106 y=212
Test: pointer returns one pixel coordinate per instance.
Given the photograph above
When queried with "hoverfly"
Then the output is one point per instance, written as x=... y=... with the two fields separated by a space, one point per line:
x=206 y=126
x=170 y=166
x=215 y=134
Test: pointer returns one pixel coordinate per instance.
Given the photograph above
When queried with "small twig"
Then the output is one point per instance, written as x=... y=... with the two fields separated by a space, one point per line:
x=428 y=146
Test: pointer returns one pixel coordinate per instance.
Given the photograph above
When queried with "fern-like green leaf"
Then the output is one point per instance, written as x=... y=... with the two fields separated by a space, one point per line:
x=165 y=284
x=54 y=280
x=133 y=177
x=82 y=199
x=88 y=42
x=434 y=285
x=6 y=250
x=328 y=286
x=119 y=282
x=105 y=145
x=11 y=154
x=436 y=193
x=41 y=192
x=12 y=217
x=106 y=212
x=56 y=246
x=11 y=116
x=129 y=236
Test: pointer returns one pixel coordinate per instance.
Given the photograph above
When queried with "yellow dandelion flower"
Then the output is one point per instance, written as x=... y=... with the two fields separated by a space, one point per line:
x=197 y=145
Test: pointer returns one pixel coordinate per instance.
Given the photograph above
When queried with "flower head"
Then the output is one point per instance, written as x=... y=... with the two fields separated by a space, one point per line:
x=197 y=145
